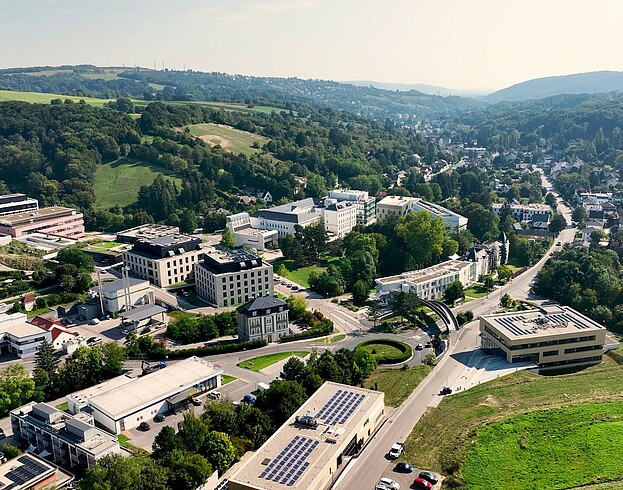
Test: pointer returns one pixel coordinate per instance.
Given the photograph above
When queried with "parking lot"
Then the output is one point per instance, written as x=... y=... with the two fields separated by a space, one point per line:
x=405 y=480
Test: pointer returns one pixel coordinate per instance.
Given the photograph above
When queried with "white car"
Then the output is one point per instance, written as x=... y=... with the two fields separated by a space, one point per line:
x=388 y=484
x=396 y=450
x=95 y=321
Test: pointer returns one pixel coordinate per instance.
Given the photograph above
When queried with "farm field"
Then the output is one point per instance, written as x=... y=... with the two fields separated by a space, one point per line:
x=243 y=107
x=118 y=182
x=43 y=98
x=560 y=420
x=229 y=138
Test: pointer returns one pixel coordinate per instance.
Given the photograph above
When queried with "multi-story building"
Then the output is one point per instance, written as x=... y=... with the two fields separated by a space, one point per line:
x=339 y=217
x=489 y=255
x=115 y=294
x=549 y=337
x=452 y=221
x=397 y=206
x=164 y=260
x=231 y=277
x=17 y=203
x=525 y=212
x=313 y=446
x=247 y=236
x=30 y=472
x=146 y=232
x=429 y=283
x=70 y=440
x=366 y=204
x=263 y=318
x=19 y=337
x=57 y=221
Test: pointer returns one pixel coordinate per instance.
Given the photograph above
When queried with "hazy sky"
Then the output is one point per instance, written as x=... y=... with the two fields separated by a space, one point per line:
x=466 y=44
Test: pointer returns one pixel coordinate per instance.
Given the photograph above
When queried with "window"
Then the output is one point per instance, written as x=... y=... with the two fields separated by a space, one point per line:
x=550 y=353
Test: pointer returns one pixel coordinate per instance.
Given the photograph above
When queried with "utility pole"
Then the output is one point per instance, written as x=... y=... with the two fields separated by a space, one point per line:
x=99 y=292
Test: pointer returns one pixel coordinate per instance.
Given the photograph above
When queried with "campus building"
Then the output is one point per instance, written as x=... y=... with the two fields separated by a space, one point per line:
x=165 y=260
x=549 y=337
x=115 y=294
x=146 y=232
x=311 y=448
x=451 y=220
x=429 y=283
x=248 y=236
x=56 y=221
x=29 y=472
x=393 y=206
x=135 y=400
x=366 y=204
x=263 y=318
x=17 y=203
x=19 y=337
x=489 y=255
x=68 y=440
x=231 y=277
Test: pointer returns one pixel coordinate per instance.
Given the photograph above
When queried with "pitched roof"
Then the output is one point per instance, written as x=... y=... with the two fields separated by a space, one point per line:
x=261 y=303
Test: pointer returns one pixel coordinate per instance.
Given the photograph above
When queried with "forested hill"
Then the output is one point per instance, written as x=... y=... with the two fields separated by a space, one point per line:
x=578 y=83
x=91 y=81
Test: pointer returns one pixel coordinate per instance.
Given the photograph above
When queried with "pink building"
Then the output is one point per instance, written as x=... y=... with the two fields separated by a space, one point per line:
x=56 y=221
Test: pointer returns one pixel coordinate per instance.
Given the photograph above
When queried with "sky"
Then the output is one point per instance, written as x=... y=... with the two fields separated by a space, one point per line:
x=459 y=44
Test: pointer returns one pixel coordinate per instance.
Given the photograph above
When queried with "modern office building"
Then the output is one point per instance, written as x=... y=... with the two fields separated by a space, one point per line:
x=146 y=232
x=247 y=236
x=549 y=337
x=68 y=440
x=231 y=277
x=19 y=337
x=263 y=318
x=56 y=221
x=526 y=212
x=429 y=283
x=452 y=221
x=311 y=448
x=115 y=294
x=393 y=206
x=164 y=260
x=17 y=203
x=366 y=204
x=126 y=405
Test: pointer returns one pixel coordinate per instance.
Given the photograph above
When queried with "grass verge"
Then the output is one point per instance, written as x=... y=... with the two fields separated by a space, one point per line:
x=335 y=338
x=258 y=363
x=397 y=384
x=227 y=379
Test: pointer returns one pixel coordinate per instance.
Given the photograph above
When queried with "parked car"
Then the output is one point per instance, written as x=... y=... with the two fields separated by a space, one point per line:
x=419 y=347
x=215 y=395
x=428 y=476
x=146 y=330
x=159 y=417
x=248 y=399
x=422 y=483
x=446 y=390
x=391 y=484
x=404 y=467
x=94 y=341
x=396 y=450
x=125 y=331
x=195 y=401
x=428 y=345
x=144 y=426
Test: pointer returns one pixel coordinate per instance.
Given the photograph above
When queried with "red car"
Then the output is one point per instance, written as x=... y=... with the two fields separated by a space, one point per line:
x=422 y=483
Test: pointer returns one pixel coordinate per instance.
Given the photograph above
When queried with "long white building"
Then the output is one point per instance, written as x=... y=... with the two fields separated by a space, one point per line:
x=400 y=206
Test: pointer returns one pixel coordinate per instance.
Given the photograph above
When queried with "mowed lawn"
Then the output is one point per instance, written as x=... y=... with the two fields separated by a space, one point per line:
x=229 y=138
x=258 y=363
x=527 y=431
x=397 y=384
x=118 y=183
x=300 y=275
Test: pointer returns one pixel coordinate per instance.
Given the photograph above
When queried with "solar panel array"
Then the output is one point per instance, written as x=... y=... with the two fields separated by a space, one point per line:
x=557 y=318
x=291 y=462
x=565 y=318
x=340 y=406
x=509 y=324
x=29 y=469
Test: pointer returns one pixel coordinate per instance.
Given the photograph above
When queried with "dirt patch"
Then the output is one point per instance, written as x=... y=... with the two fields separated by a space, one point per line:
x=214 y=140
x=491 y=401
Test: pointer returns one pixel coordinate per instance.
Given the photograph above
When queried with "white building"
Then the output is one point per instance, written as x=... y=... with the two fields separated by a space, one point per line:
x=429 y=283
x=247 y=236
x=126 y=405
x=263 y=318
x=389 y=206
x=285 y=217
x=452 y=221
x=17 y=203
x=339 y=217
x=19 y=337
x=366 y=204
x=231 y=277
x=526 y=212
x=115 y=295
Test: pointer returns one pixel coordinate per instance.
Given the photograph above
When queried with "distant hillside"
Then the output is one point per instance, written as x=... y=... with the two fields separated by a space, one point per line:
x=578 y=83
x=420 y=87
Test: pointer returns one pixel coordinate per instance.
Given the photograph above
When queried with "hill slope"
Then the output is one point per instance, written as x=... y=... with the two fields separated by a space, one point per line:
x=420 y=87
x=578 y=83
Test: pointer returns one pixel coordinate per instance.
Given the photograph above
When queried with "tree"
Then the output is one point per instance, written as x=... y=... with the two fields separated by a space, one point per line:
x=219 y=451
x=281 y=400
x=488 y=282
x=365 y=361
x=579 y=216
x=188 y=471
x=16 y=387
x=294 y=370
x=113 y=358
x=227 y=238
x=506 y=301
x=282 y=270
x=454 y=291
x=423 y=235
x=46 y=358
x=192 y=432
x=165 y=442
x=10 y=451
x=360 y=292
x=557 y=224
x=505 y=273
x=297 y=305
x=75 y=256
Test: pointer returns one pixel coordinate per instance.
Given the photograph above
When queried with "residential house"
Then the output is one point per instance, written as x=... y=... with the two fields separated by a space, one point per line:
x=263 y=318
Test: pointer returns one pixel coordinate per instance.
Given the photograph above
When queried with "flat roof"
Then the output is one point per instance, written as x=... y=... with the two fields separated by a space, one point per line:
x=118 y=285
x=146 y=390
x=83 y=396
x=436 y=209
x=548 y=320
x=395 y=201
x=142 y=312
x=23 y=472
x=37 y=215
x=226 y=255
x=311 y=449
x=22 y=329
x=423 y=275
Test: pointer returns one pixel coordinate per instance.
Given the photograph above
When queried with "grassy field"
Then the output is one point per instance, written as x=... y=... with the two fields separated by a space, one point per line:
x=229 y=138
x=300 y=275
x=382 y=350
x=118 y=183
x=243 y=107
x=476 y=291
x=568 y=411
x=258 y=363
x=227 y=379
x=41 y=98
x=397 y=384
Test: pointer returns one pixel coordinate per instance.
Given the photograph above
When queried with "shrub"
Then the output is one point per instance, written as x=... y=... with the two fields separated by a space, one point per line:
x=221 y=348
x=325 y=327
x=10 y=451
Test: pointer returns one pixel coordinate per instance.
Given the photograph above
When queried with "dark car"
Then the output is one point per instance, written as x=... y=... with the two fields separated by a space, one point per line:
x=429 y=477
x=159 y=417
x=2 y=434
x=404 y=467
x=446 y=390
x=144 y=426
x=145 y=330
x=422 y=483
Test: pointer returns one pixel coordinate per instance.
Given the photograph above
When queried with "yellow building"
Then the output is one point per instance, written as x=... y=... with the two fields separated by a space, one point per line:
x=310 y=449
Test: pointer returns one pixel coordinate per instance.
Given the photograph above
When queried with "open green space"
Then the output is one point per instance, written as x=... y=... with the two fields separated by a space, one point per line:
x=41 y=98
x=100 y=76
x=300 y=274
x=243 y=107
x=335 y=338
x=118 y=182
x=258 y=363
x=568 y=414
x=387 y=351
x=397 y=384
x=227 y=379
x=228 y=138
x=476 y=291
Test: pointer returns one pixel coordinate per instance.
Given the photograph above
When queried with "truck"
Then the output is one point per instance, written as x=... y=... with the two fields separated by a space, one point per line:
x=148 y=367
x=262 y=386
x=396 y=450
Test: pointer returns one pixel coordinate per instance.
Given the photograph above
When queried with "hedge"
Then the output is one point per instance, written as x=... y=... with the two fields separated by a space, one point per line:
x=310 y=334
x=222 y=348
x=406 y=351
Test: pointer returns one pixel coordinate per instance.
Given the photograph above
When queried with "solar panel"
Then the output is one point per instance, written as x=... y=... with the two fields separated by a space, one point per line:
x=340 y=406
x=290 y=463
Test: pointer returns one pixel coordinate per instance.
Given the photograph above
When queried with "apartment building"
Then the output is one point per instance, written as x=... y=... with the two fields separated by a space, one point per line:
x=56 y=221
x=366 y=204
x=17 y=203
x=263 y=318
x=339 y=217
x=551 y=336
x=164 y=260
x=526 y=212
x=231 y=277
x=70 y=440
x=429 y=283
x=19 y=337
x=397 y=206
